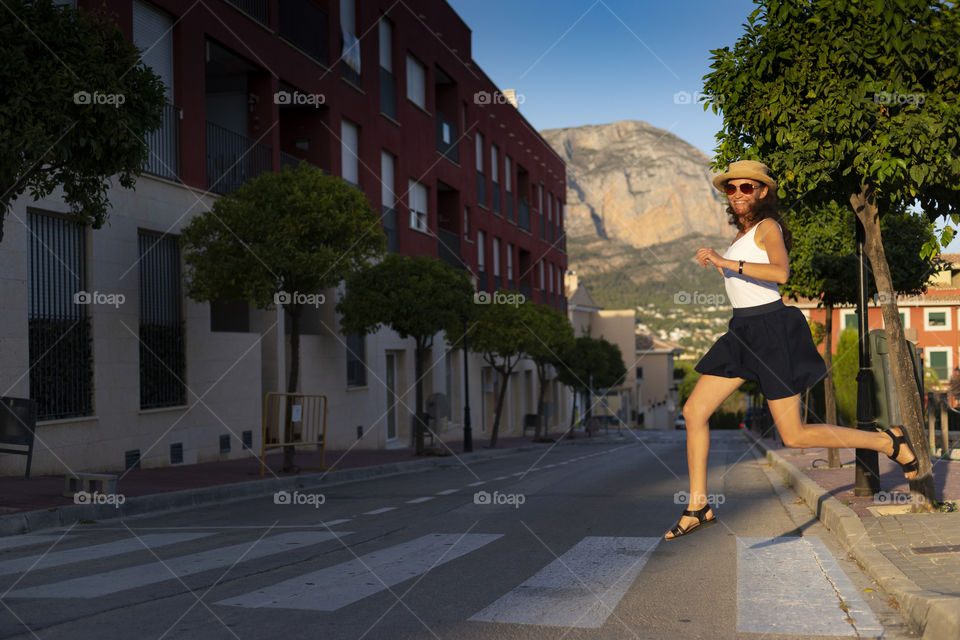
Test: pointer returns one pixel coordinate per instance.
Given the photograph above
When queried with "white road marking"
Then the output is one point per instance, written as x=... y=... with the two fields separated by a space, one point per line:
x=579 y=589
x=378 y=511
x=95 y=552
x=476 y=484
x=447 y=492
x=423 y=499
x=333 y=523
x=12 y=542
x=343 y=584
x=794 y=586
x=101 y=584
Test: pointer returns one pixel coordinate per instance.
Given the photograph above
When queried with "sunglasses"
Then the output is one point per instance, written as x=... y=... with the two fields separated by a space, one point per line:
x=746 y=188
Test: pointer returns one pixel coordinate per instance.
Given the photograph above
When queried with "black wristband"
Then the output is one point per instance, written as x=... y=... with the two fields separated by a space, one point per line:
x=741 y=266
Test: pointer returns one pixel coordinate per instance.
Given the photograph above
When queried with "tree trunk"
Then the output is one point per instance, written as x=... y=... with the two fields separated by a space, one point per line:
x=541 y=379
x=501 y=396
x=419 y=419
x=829 y=397
x=923 y=492
x=292 y=381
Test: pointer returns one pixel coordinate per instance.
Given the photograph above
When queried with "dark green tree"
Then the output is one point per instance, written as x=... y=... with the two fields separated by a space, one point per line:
x=415 y=296
x=282 y=239
x=823 y=267
x=857 y=102
x=591 y=364
x=497 y=329
x=552 y=335
x=77 y=103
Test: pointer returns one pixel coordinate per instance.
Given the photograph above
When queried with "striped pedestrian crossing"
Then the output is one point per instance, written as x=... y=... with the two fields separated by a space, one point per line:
x=581 y=588
x=95 y=552
x=795 y=586
x=343 y=584
x=785 y=585
x=101 y=584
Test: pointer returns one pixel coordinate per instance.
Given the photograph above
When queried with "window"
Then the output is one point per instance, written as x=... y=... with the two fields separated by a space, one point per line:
x=559 y=282
x=388 y=91
x=58 y=318
x=509 y=261
x=848 y=319
x=349 y=151
x=153 y=34
x=388 y=199
x=386 y=44
x=936 y=319
x=418 y=206
x=550 y=274
x=479 y=150
x=351 y=45
x=938 y=359
x=416 y=82
x=481 y=180
x=496 y=257
x=495 y=177
x=542 y=276
x=481 y=258
x=507 y=181
x=356 y=360
x=162 y=355
x=466 y=223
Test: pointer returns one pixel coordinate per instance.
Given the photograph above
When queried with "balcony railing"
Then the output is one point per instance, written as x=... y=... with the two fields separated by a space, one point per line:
x=482 y=281
x=388 y=96
x=524 y=288
x=164 y=158
x=256 y=9
x=523 y=214
x=481 y=189
x=390 y=229
x=496 y=197
x=232 y=159
x=304 y=25
x=447 y=138
x=449 y=248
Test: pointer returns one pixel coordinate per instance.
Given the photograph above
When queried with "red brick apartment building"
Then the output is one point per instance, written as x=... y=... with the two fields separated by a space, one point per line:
x=384 y=94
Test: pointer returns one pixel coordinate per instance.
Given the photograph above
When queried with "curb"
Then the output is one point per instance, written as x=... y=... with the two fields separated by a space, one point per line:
x=30 y=521
x=935 y=616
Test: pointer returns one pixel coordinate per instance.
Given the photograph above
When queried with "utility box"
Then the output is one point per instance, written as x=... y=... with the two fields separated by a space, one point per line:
x=886 y=403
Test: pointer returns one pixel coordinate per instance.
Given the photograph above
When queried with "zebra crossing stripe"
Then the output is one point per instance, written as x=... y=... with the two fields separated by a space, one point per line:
x=101 y=584
x=579 y=589
x=794 y=586
x=12 y=542
x=95 y=552
x=343 y=584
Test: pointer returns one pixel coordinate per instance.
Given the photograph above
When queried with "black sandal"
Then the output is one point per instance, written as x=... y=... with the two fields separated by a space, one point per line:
x=907 y=467
x=700 y=515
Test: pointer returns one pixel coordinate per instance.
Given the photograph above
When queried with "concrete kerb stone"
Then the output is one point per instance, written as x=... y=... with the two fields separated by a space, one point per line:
x=932 y=614
x=31 y=521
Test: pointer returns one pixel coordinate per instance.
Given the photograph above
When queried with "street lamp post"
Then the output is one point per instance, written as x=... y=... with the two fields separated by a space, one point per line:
x=867 y=479
x=467 y=430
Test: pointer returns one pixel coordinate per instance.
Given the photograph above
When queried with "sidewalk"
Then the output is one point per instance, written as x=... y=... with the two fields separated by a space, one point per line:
x=915 y=557
x=39 y=503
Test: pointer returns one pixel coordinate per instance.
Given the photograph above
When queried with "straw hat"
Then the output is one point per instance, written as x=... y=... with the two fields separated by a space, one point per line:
x=747 y=170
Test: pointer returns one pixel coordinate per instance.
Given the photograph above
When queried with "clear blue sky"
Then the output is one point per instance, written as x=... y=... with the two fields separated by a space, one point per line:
x=578 y=62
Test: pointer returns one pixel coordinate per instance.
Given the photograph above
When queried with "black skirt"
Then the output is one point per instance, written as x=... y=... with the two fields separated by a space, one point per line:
x=769 y=344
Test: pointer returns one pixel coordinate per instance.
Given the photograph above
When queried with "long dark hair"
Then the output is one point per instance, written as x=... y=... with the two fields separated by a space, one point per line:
x=769 y=207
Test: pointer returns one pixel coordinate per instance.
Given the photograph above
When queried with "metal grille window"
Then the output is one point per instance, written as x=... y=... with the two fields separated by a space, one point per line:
x=162 y=358
x=356 y=360
x=61 y=354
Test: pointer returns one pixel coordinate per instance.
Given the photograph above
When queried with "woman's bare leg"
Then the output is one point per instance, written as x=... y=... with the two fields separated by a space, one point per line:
x=708 y=394
x=796 y=434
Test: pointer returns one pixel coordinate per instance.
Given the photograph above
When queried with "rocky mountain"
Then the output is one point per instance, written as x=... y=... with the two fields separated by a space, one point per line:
x=632 y=182
x=639 y=205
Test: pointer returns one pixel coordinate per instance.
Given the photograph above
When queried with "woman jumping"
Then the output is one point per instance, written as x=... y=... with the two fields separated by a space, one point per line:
x=767 y=342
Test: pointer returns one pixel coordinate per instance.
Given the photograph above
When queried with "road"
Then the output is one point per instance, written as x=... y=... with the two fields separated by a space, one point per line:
x=564 y=543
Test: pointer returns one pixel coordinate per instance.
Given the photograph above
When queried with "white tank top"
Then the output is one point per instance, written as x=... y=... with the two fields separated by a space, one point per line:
x=743 y=290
